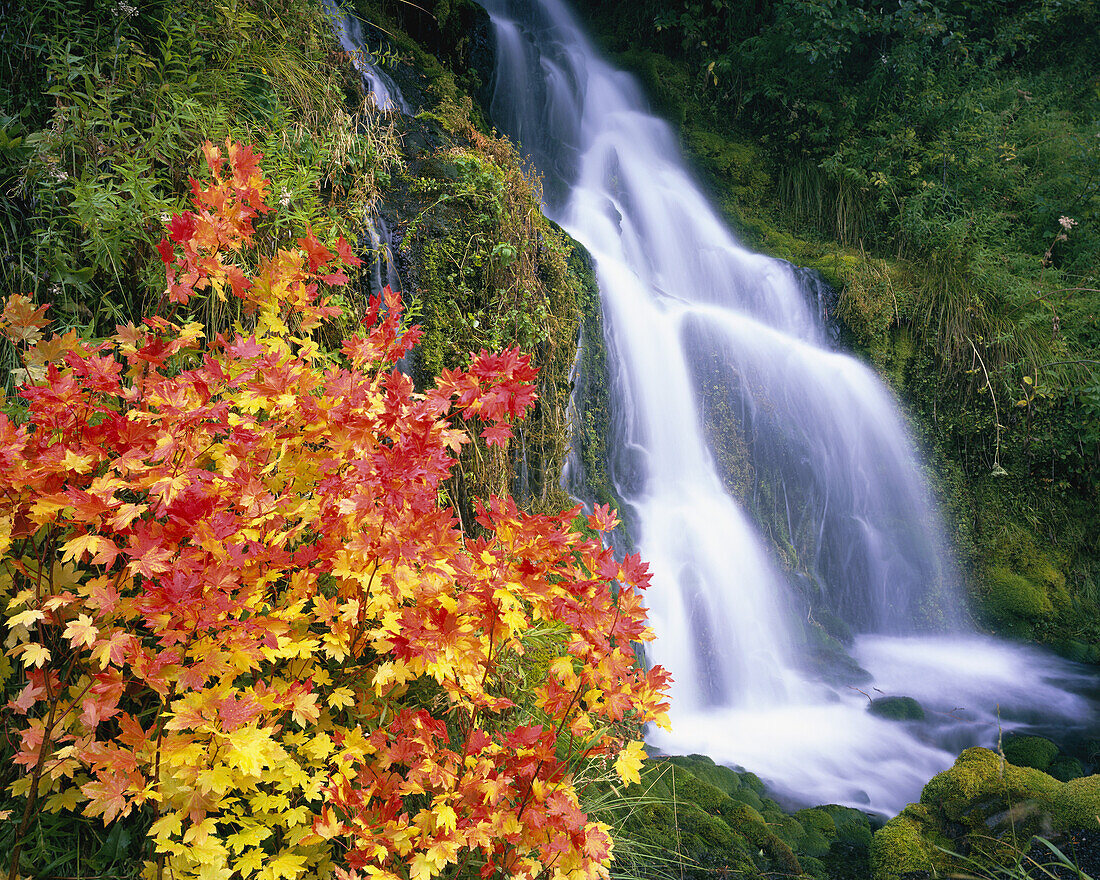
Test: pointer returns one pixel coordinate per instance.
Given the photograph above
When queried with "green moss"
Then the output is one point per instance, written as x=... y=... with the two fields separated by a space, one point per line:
x=722 y=778
x=1076 y=804
x=900 y=847
x=749 y=798
x=1029 y=751
x=1065 y=768
x=987 y=809
x=897 y=709
x=1013 y=595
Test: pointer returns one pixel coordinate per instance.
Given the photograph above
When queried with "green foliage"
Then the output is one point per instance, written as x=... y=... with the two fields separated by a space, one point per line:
x=100 y=129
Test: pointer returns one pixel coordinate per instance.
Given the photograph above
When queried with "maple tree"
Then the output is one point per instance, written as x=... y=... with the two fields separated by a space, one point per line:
x=236 y=601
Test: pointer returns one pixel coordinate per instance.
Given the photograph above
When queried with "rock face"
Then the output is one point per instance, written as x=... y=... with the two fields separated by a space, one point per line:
x=983 y=809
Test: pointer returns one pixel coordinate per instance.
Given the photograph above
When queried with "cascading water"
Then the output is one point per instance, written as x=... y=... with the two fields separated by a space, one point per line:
x=382 y=269
x=697 y=324
x=378 y=84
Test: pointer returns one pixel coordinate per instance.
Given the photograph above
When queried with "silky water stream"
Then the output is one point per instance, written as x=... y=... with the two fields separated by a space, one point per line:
x=697 y=325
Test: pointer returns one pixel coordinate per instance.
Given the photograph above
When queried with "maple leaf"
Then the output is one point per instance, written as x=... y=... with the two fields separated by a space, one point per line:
x=21 y=322
x=26 y=618
x=345 y=253
x=629 y=762
x=497 y=435
x=35 y=655
x=102 y=549
x=317 y=254
x=295 y=576
x=602 y=519
x=81 y=631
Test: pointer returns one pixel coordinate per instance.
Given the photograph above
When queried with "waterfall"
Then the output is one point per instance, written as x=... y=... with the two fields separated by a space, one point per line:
x=382 y=269
x=378 y=84
x=699 y=327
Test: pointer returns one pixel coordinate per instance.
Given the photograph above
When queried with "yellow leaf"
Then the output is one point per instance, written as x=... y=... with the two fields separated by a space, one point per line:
x=64 y=800
x=79 y=463
x=76 y=548
x=629 y=762
x=35 y=655
x=341 y=697
x=80 y=631
x=287 y=865
x=420 y=868
x=43 y=511
x=445 y=817
x=166 y=827
x=249 y=747
x=26 y=618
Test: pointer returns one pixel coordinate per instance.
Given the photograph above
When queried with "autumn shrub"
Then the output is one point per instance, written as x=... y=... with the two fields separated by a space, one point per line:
x=236 y=604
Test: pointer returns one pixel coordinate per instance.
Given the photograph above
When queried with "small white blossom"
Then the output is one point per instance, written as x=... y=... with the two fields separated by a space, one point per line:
x=165 y=216
x=1067 y=223
x=124 y=9
x=285 y=197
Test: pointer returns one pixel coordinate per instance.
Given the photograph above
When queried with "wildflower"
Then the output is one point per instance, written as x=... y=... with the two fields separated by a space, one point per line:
x=124 y=9
x=1067 y=223
x=285 y=197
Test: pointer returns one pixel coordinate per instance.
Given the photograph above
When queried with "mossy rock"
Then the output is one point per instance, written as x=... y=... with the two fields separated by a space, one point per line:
x=1066 y=767
x=982 y=784
x=1072 y=649
x=749 y=798
x=897 y=709
x=986 y=809
x=901 y=846
x=1076 y=804
x=852 y=826
x=1029 y=751
x=725 y=779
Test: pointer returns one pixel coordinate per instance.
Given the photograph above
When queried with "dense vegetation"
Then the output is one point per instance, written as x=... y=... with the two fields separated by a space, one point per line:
x=102 y=131
x=940 y=162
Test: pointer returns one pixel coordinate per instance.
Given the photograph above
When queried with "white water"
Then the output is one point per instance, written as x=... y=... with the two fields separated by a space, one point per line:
x=378 y=84
x=687 y=308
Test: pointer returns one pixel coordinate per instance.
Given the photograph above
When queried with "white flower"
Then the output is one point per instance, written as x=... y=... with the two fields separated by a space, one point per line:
x=126 y=10
x=284 y=197
x=165 y=216
x=1067 y=223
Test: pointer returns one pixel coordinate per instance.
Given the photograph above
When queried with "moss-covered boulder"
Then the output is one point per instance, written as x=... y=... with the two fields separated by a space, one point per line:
x=907 y=844
x=1029 y=751
x=714 y=819
x=984 y=809
x=897 y=709
x=1066 y=767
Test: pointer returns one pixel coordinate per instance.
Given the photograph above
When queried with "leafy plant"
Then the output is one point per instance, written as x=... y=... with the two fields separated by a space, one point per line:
x=237 y=609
